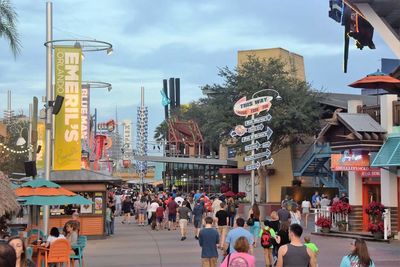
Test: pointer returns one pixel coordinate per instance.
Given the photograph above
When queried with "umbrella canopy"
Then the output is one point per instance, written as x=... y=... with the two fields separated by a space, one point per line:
x=43 y=192
x=8 y=199
x=377 y=80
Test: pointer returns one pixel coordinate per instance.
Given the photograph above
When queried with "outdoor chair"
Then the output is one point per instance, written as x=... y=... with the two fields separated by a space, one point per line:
x=29 y=253
x=35 y=232
x=80 y=247
x=59 y=252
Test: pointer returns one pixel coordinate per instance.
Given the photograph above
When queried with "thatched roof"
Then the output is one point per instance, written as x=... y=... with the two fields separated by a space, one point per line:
x=8 y=199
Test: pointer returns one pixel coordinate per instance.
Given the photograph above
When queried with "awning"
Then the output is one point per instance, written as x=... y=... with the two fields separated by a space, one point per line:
x=389 y=154
x=232 y=171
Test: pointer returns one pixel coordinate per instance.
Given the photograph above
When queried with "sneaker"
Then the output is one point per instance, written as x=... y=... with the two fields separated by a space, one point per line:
x=196 y=237
x=169 y=229
x=183 y=238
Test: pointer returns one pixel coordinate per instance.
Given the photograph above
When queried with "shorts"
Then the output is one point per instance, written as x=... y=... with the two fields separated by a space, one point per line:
x=209 y=262
x=197 y=223
x=142 y=211
x=160 y=219
x=222 y=230
x=306 y=210
x=172 y=217
x=183 y=223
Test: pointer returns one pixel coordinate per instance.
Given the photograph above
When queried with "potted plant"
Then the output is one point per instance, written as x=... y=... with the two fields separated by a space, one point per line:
x=342 y=225
x=375 y=211
x=325 y=223
x=376 y=229
x=241 y=195
x=341 y=209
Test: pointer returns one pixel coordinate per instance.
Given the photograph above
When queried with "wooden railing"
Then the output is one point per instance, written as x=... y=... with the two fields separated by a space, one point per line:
x=336 y=218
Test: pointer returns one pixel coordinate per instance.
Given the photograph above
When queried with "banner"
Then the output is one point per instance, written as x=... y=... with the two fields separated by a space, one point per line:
x=85 y=116
x=68 y=83
x=349 y=161
x=40 y=142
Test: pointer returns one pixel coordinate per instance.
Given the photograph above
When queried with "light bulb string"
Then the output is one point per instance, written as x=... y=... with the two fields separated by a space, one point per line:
x=14 y=151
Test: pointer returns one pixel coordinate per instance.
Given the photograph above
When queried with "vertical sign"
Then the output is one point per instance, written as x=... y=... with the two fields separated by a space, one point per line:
x=68 y=79
x=41 y=143
x=85 y=116
x=127 y=128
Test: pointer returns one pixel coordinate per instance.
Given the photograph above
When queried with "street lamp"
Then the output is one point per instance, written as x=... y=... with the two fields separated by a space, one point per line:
x=279 y=98
x=21 y=140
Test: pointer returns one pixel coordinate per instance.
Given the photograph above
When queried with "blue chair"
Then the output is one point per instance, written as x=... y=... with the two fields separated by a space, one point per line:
x=35 y=232
x=79 y=247
x=29 y=253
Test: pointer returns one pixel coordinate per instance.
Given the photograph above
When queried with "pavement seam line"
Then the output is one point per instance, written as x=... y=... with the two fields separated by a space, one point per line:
x=158 y=248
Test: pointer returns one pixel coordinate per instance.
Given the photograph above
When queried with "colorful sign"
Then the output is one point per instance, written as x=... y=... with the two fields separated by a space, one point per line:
x=246 y=108
x=85 y=115
x=371 y=172
x=106 y=126
x=68 y=83
x=350 y=161
x=40 y=142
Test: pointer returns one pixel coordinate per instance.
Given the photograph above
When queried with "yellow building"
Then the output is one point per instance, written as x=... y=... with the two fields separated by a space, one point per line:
x=294 y=62
x=282 y=167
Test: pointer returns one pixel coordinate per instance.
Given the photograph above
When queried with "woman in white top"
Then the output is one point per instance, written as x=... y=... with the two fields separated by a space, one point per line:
x=306 y=206
x=54 y=235
x=295 y=216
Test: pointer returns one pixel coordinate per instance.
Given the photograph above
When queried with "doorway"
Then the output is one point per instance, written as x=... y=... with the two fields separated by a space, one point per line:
x=371 y=192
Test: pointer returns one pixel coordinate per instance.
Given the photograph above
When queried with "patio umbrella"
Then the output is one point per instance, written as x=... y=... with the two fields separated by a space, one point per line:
x=43 y=192
x=378 y=80
x=8 y=198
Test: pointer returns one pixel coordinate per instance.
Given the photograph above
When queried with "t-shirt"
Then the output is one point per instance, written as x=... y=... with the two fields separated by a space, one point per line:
x=184 y=213
x=222 y=215
x=154 y=206
x=312 y=246
x=172 y=206
x=325 y=202
x=283 y=215
x=208 y=240
x=51 y=238
x=197 y=196
x=160 y=212
x=284 y=235
x=179 y=201
x=352 y=261
x=239 y=259
x=198 y=211
x=235 y=234
x=306 y=204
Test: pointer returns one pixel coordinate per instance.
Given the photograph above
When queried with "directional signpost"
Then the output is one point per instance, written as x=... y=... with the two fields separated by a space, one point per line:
x=255 y=129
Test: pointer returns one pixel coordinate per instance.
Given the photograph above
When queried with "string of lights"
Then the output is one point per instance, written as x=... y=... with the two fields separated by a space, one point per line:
x=7 y=149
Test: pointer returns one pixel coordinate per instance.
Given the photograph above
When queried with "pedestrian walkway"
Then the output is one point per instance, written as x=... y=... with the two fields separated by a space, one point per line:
x=138 y=246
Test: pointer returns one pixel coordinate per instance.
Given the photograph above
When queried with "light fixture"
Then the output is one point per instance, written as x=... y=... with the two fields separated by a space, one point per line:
x=110 y=51
x=279 y=98
x=21 y=141
x=77 y=45
x=109 y=88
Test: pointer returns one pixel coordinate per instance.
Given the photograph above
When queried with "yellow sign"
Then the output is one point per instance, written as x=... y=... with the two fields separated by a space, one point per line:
x=40 y=142
x=68 y=83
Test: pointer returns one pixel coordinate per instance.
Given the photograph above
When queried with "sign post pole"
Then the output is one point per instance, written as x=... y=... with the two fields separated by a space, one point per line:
x=253 y=182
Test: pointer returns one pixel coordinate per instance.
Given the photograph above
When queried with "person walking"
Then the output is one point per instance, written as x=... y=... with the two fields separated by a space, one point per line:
x=208 y=241
x=160 y=216
x=283 y=214
x=153 y=208
x=358 y=256
x=197 y=212
x=274 y=223
x=231 y=209
x=305 y=206
x=126 y=208
x=172 y=206
x=295 y=254
x=311 y=245
x=241 y=256
x=183 y=219
x=108 y=220
x=222 y=223
x=295 y=216
x=234 y=234
x=267 y=236
x=281 y=238
x=142 y=208
x=254 y=213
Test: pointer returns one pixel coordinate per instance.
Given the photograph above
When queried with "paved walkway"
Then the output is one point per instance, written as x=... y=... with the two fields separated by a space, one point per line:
x=134 y=245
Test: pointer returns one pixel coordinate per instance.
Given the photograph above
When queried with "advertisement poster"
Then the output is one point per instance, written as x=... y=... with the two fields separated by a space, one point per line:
x=41 y=143
x=350 y=161
x=68 y=83
x=98 y=203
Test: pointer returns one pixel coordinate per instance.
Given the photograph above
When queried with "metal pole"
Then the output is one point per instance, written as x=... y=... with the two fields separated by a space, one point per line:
x=253 y=186
x=49 y=97
x=30 y=132
x=142 y=152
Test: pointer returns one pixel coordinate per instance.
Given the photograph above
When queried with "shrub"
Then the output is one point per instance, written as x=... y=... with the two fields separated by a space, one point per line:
x=324 y=222
x=376 y=227
x=341 y=207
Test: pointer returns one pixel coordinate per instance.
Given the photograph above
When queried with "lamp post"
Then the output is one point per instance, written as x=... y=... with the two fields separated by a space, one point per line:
x=278 y=97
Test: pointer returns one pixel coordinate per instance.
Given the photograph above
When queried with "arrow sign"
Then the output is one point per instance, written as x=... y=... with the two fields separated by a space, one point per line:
x=267 y=162
x=253 y=166
x=266 y=133
x=255 y=128
x=266 y=144
x=253 y=146
x=265 y=118
x=266 y=153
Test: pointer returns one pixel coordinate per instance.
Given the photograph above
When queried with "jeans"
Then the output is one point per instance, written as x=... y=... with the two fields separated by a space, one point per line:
x=108 y=227
x=231 y=219
x=112 y=227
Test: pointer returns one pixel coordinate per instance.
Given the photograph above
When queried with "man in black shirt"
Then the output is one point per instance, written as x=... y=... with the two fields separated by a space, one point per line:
x=222 y=222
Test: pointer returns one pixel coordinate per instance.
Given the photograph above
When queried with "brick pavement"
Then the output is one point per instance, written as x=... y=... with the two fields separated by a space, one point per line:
x=134 y=245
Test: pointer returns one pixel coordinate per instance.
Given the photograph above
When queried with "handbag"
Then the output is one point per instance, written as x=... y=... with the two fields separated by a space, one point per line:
x=250 y=221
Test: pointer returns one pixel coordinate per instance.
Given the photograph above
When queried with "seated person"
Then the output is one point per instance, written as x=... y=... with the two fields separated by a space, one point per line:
x=54 y=235
x=75 y=220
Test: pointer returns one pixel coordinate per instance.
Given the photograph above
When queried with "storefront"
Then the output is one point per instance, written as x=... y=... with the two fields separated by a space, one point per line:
x=91 y=185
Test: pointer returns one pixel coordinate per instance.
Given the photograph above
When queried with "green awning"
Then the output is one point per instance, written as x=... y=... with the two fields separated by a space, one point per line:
x=389 y=154
x=54 y=200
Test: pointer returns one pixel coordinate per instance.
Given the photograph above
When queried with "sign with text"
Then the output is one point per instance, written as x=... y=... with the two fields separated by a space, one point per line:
x=85 y=116
x=266 y=154
x=371 y=172
x=266 y=133
x=265 y=118
x=68 y=83
x=350 y=161
x=244 y=107
x=40 y=142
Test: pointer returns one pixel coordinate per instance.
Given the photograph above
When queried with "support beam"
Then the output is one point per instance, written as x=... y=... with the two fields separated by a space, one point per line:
x=387 y=33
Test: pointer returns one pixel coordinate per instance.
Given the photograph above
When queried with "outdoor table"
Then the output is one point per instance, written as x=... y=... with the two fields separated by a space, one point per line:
x=41 y=252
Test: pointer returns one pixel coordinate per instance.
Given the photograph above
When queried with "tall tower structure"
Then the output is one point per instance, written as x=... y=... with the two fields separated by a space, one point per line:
x=8 y=113
x=142 y=133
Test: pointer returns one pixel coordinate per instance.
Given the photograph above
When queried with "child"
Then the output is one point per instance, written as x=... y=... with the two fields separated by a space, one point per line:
x=160 y=217
x=310 y=245
x=267 y=236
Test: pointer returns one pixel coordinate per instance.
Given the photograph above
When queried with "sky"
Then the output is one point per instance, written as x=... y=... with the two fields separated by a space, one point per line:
x=186 y=39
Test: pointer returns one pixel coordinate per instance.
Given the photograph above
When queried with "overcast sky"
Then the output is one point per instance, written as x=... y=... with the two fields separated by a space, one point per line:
x=154 y=40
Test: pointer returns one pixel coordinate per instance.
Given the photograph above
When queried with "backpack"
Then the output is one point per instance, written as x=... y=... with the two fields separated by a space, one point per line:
x=232 y=209
x=266 y=238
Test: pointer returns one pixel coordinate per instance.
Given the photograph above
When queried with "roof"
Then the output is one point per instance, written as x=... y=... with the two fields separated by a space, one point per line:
x=360 y=122
x=389 y=154
x=340 y=100
x=82 y=176
x=8 y=198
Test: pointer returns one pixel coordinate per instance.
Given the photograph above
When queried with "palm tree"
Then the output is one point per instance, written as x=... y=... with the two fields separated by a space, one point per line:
x=8 y=28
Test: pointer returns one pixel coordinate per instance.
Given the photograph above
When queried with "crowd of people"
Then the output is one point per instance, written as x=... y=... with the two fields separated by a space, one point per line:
x=224 y=235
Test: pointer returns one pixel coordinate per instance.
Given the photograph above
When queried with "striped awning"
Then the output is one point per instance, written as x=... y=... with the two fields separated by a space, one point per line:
x=389 y=154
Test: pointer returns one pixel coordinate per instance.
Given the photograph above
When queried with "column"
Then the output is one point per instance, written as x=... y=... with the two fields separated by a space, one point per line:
x=352 y=105
x=386 y=102
x=355 y=189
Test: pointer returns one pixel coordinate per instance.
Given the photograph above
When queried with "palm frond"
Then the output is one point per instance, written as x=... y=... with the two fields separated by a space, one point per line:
x=8 y=28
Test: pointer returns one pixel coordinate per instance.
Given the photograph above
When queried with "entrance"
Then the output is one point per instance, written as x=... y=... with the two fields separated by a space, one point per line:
x=371 y=192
